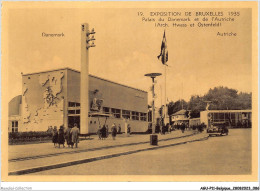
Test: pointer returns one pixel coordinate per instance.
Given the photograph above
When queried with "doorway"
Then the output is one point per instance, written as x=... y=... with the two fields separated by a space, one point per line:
x=74 y=119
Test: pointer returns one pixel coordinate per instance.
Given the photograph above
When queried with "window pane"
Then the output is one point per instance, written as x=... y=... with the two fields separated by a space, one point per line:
x=71 y=111
x=137 y=115
x=116 y=112
x=126 y=114
x=71 y=104
x=106 y=110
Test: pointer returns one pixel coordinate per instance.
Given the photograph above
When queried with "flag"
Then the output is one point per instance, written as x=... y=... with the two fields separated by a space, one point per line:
x=164 y=52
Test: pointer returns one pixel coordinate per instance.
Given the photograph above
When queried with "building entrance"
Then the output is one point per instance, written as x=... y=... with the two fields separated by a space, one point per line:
x=74 y=119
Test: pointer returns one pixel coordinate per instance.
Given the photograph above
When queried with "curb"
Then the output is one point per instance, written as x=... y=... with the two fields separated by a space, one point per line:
x=95 y=149
x=88 y=160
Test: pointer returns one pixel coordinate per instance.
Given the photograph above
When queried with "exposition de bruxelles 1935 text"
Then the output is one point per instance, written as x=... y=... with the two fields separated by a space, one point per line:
x=191 y=19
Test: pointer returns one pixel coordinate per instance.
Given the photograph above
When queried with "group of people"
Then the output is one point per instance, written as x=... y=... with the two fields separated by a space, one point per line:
x=71 y=135
x=182 y=126
x=103 y=132
x=163 y=129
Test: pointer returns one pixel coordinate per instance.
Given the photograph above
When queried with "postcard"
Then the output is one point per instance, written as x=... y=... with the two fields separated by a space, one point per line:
x=130 y=91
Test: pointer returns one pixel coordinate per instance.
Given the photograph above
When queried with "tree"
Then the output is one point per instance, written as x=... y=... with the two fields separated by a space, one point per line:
x=173 y=107
x=222 y=98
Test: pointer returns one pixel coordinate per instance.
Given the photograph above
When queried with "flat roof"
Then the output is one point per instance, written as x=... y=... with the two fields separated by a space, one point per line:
x=67 y=68
x=232 y=111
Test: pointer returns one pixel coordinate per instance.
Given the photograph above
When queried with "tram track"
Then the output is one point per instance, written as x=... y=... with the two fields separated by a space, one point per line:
x=102 y=156
x=94 y=149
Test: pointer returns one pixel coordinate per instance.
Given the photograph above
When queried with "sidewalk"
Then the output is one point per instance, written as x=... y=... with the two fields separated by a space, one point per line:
x=31 y=150
x=69 y=159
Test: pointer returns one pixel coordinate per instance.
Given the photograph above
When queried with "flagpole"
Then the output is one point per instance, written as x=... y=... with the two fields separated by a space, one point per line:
x=165 y=110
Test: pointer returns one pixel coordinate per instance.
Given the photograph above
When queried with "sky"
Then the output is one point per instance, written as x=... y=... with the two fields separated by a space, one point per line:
x=127 y=48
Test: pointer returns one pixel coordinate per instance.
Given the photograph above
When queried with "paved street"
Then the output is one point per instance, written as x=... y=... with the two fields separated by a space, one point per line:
x=226 y=155
x=38 y=157
x=19 y=151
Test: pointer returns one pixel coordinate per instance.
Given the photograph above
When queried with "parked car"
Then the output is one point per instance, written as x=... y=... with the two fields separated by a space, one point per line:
x=218 y=129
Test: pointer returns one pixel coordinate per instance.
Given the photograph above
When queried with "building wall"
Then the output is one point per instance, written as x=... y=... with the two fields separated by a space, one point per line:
x=42 y=100
x=14 y=123
x=14 y=114
x=179 y=118
x=204 y=117
x=114 y=96
x=118 y=96
x=194 y=122
x=236 y=117
x=46 y=97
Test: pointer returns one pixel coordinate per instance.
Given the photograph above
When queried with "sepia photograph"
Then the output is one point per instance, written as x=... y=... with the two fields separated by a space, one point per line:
x=130 y=91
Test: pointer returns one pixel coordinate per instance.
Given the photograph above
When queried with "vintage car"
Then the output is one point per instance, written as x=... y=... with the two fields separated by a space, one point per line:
x=218 y=129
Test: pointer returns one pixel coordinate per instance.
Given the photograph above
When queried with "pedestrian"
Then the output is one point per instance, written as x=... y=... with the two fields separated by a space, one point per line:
x=99 y=132
x=168 y=129
x=128 y=130
x=61 y=139
x=103 y=132
x=119 y=129
x=68 y=136
x=182 y=127
x=55 y=136
x=113 y=131
x=74 y=135
x=125 y=126
x=107 y=133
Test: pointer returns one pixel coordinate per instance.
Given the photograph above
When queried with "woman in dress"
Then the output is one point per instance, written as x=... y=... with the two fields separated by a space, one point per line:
x=61 y=139
x=113 y=131
x=55 y=136
x=128 y=130
x=68 y=136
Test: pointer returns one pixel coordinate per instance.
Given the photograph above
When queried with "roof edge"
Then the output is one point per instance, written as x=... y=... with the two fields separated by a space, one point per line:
x=68 y=68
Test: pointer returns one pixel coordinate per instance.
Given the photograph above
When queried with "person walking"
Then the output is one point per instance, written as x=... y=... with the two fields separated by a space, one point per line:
x=182 y=127
x=55 y=136
x=107 y=133
x=68 y=135
x=119 y=129
x=74 y=135
x=103 y=132
x=99 y=132
x=61 y=139
x=126 y=120
x=113 y=131
x=128 y=130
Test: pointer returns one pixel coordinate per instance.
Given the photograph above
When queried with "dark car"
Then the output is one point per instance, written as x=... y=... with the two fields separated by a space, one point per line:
x=218 y=128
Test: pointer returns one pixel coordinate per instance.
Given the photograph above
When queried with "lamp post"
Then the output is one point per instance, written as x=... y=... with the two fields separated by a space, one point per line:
x=207 y=109
x=84 y=82
x=153 y=76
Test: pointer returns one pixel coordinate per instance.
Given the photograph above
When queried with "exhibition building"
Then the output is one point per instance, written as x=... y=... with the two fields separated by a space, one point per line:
x=52 y=98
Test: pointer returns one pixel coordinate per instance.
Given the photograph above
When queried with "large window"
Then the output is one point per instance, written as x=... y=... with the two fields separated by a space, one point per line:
x=14 y=126
x=74 y=104
x=143 y=116
x=126 y=114
x=135 y=115
x=116 y=112
x=106 y=110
